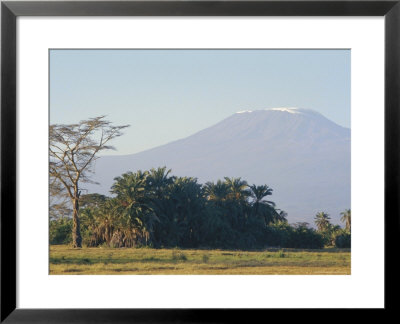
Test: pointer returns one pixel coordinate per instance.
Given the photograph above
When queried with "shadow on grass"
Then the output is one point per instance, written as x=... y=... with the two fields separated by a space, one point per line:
x=85 y=261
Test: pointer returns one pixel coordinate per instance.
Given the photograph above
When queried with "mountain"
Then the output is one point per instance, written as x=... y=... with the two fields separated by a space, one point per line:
x=301 y=154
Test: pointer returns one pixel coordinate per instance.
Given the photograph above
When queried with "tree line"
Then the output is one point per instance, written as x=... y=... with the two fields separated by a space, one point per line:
x=153 y=208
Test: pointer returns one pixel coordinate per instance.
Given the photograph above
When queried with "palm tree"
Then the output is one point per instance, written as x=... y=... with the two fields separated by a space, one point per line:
x=217 y=192
x=158 y=179
x=237 y=189
x=258 y=193
x=236 y=207
x=129 y=187
x=135 y=205
x=216 y=230
x=223 y=214
x=262 y=208
x=188 y=208
x=282 y=216
x=105 y=222
x=346 y=218
x=322 y=221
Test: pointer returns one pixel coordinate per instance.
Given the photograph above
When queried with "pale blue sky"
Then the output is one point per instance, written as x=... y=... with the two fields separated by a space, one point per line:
x=170 y=94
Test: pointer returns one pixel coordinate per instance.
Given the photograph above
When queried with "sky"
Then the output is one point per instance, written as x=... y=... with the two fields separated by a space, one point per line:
x=165 y=95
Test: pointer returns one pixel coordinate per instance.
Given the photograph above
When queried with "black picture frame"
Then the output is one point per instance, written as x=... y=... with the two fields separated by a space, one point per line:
x=10 y=10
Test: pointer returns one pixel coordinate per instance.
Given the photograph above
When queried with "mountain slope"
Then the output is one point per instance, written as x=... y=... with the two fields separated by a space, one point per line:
x=301 y=154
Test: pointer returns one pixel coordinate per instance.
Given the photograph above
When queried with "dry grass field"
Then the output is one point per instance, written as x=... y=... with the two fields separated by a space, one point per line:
x=65 y=260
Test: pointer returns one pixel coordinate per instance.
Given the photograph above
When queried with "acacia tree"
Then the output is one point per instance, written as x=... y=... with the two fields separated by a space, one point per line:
x=73 y=149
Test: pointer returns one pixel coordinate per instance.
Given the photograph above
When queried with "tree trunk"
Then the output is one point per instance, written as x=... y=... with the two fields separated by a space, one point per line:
x=76 y=228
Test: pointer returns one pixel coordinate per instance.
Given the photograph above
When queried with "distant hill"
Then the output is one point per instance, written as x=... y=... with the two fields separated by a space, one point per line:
x=301 y=154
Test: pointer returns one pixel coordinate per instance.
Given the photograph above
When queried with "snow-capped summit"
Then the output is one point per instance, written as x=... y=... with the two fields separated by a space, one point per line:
x=291 y=110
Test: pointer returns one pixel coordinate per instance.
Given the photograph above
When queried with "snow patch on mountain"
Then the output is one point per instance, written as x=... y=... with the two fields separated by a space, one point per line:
x=291 y=110
x=244 y=111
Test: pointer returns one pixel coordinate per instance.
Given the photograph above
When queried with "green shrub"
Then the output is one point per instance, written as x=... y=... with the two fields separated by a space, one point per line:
x=298 y=236
x=278 y=234
x=343 y=240
x=60 y=231
x=281 y=254
x=206 y=258
x=303 y=237
x=178 y=256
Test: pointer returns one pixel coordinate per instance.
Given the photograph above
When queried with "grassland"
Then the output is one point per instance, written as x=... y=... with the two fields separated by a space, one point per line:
x=65 y=260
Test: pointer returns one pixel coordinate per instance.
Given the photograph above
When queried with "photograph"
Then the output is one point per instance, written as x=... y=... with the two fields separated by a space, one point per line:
x=199 y=161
